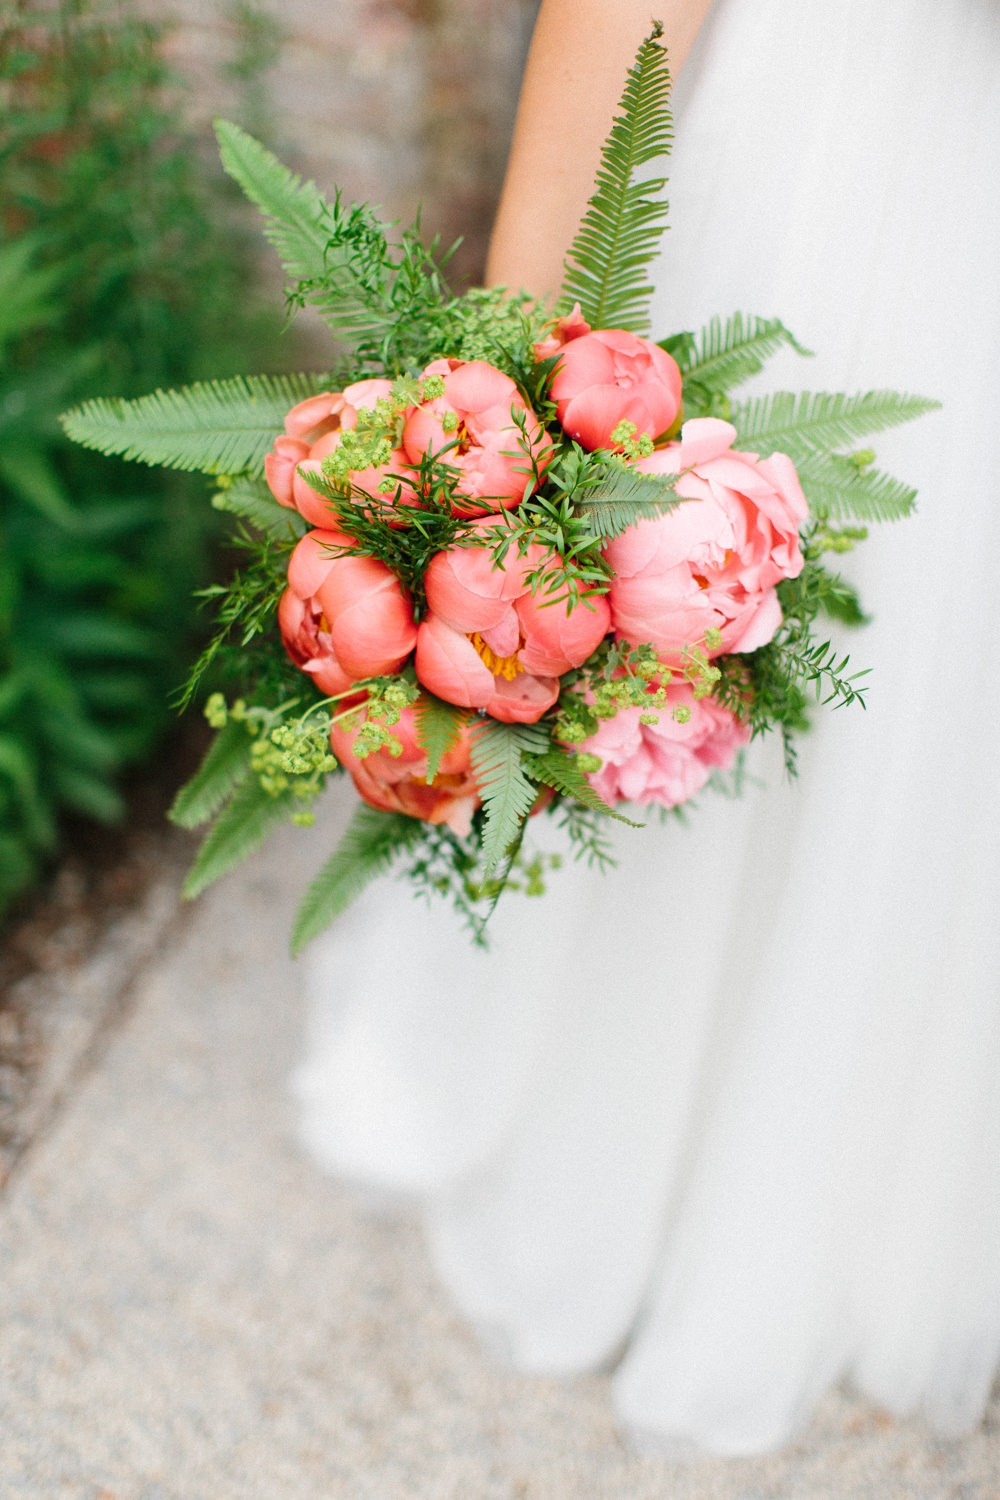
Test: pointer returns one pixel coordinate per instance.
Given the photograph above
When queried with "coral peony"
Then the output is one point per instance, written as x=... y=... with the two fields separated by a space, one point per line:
x=313 y=430
x=668 y=761
x=472 y=427
x=355 y=617
x=713 y=562
x=399 y=783
x=573 y=326
x=488 y=642
x=611 y=376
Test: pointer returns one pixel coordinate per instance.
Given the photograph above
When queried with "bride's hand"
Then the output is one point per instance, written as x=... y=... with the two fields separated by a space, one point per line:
x=580 y=52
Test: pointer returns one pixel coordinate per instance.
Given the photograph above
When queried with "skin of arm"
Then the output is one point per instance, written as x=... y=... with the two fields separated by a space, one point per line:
x=580 y=53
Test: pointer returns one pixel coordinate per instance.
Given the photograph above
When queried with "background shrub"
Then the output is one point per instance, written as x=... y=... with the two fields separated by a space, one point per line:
x=120 y=271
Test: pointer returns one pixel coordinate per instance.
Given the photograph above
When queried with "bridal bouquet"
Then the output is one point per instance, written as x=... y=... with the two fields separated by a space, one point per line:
x=504 y=559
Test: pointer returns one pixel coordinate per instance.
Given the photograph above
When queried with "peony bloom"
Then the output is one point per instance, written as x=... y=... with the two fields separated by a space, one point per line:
x=669 y=761
x=573 y=326
x=343 y=618
x=399 y=783
x=609 y=377
x=487 y=642
x=313 y=430
x=713 y=562
x=473 y=422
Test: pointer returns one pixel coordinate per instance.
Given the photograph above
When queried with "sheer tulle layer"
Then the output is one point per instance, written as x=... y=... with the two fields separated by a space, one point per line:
x=732 y=1116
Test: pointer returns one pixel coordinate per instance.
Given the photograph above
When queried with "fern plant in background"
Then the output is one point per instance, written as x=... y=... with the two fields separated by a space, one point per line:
x=473 y=637
x=116 y=268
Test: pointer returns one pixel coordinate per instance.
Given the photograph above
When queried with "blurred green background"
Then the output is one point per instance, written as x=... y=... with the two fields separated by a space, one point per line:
x=126 y=263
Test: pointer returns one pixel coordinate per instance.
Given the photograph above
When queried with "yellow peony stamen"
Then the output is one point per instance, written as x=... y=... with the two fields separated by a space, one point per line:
x=507 y=667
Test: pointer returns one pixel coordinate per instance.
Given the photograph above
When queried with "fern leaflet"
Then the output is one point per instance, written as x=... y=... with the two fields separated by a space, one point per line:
x=226 y=764
x=810 y=421
x=439 y=725
x=372 y=841
x=241 y=827
x=218 y=426
x=836 y=487
x=507 y=794
x=625 y=219
x=623 y=496
x=725 y=354
x=561 y=770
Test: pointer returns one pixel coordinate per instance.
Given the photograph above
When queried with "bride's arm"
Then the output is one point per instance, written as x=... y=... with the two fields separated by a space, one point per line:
x=580 y=53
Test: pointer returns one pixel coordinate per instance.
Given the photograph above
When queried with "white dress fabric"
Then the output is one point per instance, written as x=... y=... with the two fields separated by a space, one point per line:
x=728 y=1121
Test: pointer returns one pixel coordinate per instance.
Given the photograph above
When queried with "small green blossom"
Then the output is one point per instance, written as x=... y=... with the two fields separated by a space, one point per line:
x=216 y=711
x=632 y=447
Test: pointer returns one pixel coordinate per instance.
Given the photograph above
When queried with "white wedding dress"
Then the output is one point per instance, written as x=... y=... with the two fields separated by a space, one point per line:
x=728 y=1121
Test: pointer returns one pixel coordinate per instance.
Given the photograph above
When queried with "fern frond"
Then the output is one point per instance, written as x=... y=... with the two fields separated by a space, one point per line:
x=241 y=827
x=724 y=354
x=325 y=249
x=625 y=219
x=561 y=770
x=226 y=764
x=253 y=502
x=837 y=487
x=438 y=727
x=217 y=426
x=507 y=794
x=370 y=844
x=816 y=421
x=623 y=496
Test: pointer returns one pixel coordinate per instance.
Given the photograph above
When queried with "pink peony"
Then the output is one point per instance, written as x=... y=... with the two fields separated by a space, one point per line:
x=488 y=643
x=313 y=430
x=669 y=761
x=713 y=562
x=473 y=422
x=344 y=617
x=611 y=376
x=399 y=783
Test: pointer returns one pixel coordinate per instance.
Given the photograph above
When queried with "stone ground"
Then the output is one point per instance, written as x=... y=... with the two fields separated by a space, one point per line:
x=190 y=1310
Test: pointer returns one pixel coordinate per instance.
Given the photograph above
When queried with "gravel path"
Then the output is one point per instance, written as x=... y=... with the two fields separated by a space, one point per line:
x=189 y=1310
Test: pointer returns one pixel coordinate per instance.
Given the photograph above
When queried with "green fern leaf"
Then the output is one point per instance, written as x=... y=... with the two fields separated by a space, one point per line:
x=372 y=841
x=438 y=727
x=836 y=487
x=561 y=770
x=816 y=421
x=241 y=827
x=226 y=764
x=623 y=496
x=253 y=502
x=725 y=354
x=624 y=222
x=219 y=426
x=507 y=794
x=328 y=252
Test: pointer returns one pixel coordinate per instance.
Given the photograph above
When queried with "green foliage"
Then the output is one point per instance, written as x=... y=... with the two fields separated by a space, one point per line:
x=252 y=501
x=617 y=497
x=725 y=354
x=560 y=770
x=226 y=764
x=809 y=422
x=218 y=427
x=240 y=828
x=438 y=728
x=116 y=271
x=372 y=842
x=626 y=217
x=845 y=486
x=508 y=795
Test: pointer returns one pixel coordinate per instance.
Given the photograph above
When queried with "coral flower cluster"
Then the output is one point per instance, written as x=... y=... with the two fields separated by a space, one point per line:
x=489 y=637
